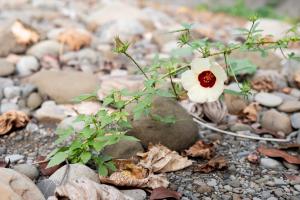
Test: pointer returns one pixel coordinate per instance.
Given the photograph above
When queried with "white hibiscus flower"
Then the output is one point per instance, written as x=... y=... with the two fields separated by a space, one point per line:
x=205 y=81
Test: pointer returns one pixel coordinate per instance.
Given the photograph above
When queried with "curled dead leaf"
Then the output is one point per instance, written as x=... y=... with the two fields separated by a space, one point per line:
x=264 y=84
x=161 y=159
x=164 y=193
x=129 y=174
x=12 y=119
x=75 y=38
x=85 y=189
x=201 y=149
x=215 y=111
x=24 y=34
x=217 y=163
x=251 y=112
x=276 y=153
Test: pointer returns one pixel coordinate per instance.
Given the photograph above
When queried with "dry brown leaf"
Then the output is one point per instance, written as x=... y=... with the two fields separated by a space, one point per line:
x=43 y=166
x=261 y=131
x=24 y=34
x=215 y=111
x=85 y=189
x=161 y=159
x=130 y=175
x=164 y=193
x=12 y=119
x=201 y=149
x=276 y=153
x=75 y=38
x=217 y=163
x=264 y=84
x=251 y=112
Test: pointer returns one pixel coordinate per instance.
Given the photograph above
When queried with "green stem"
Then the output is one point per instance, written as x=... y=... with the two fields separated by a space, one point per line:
x=140 y=68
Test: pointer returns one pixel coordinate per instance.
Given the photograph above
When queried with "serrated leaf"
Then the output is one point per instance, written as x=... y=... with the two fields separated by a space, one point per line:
x=57 y=159
x=107 y=101
x=129 y=138
x=63 y=134
x=102 y=170
x=85 y=156
x=85 y=97
x=110 y=165
x=240 y=67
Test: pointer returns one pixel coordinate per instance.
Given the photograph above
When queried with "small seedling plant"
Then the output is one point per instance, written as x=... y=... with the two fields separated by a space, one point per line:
x=202 y=80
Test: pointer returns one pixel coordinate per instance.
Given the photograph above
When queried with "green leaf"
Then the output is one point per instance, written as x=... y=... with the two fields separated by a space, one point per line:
x=129 y=138
x=107 y=101
x=98 y=145
x=102 y=170
x=57 y=159
x=63 y=134
x=85 y=97
x=85 y=156
x=164 y=119
x=110 y=165
x=240 y=67
x=233 y=92
x=164 y=93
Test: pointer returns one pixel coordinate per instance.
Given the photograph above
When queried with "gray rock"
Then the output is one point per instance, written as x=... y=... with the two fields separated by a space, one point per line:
x=295 y=93
x=136 y=194
x=34 y=101
x=267 y=99
x=270 y=163
x=63 y=86
x=46 y=47
x=5 y=82
x=289 y=106
x=298 y=137
x=13 y=158
x=6 y=68
x=27 y=89
x=32 y=128
x=27 y=65
x=3 y=150
x=297 y=187
x=28 y=170
x=69 y=121
x=212 y=182
x=240 y=127
x=50 y=112
x=124 y=149
x=295 y=120
x=276 y=121
x=17 y=186
x=178 y=136
x=8 y=106
x=285 y=97
x=277 y=79
x=47 y=187
x=75 y=171
x=290 y=166
x=12 y=92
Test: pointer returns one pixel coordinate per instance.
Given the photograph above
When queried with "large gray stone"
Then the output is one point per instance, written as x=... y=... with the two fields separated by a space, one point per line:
x=289 y=106
x=27 y=65
x=28 y=170
x=178 y=136
x=276 y=121
x=295 y=119
x=75 y=171
x=43 y=48
x=267 y=99
x=124 y=149
x=63 y=86
x=16 y=186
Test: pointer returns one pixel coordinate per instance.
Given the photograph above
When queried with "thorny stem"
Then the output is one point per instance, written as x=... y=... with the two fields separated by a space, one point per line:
x=140 y=68
x=173 y=87
x=229 y=66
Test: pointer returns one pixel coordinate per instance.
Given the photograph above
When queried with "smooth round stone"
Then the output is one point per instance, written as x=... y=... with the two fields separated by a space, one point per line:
x=28 y=170
x=6 y=68
x=267 y=99
x=295 y=120
x=9 y=106
x=34 y=101
x=289 y=106
x=13 y=158
x=12 y=92
x=270 y=163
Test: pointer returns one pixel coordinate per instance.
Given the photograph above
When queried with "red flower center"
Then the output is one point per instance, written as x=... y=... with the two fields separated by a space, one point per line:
x=207 y=79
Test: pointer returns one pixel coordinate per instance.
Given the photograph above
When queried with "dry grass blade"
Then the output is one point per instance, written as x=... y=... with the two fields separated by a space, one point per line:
x=276 y=153
x=202 y=150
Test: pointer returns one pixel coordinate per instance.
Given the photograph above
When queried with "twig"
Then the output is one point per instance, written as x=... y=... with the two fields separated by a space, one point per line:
x=199 y=121
x=65 y=177
x=140 y=68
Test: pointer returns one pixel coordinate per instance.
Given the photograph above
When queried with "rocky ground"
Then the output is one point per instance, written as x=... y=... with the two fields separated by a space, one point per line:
x=41 y=75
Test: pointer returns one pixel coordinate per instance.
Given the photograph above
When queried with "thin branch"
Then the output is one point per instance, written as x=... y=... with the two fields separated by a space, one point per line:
x=199 y=121
x=140 y=68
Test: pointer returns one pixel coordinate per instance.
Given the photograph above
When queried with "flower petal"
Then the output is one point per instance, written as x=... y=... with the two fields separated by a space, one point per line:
x=219 y=72
x=215 y=92
x=200 y=64
x=189 y=79
x=197 y=94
